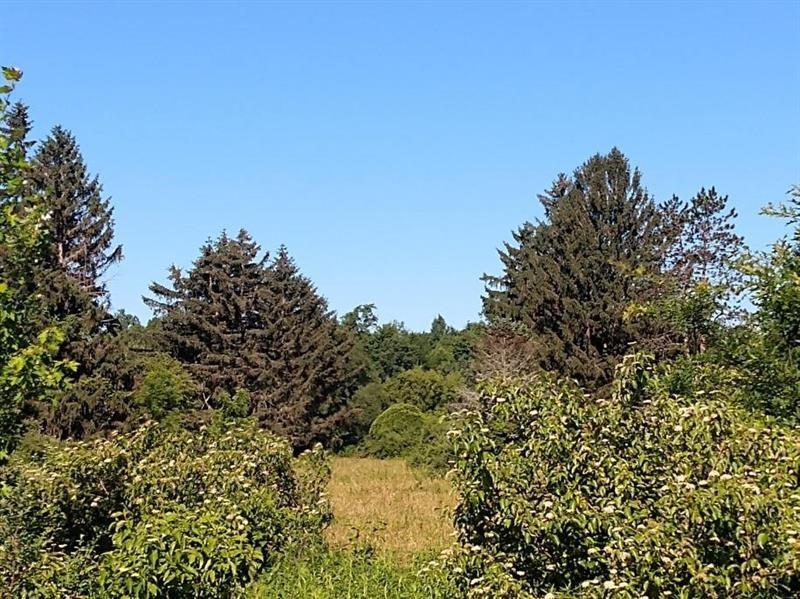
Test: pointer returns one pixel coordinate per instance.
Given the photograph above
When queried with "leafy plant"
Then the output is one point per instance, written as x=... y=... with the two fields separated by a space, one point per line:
x=159 y=512
x=164 y=386
x=638 y=495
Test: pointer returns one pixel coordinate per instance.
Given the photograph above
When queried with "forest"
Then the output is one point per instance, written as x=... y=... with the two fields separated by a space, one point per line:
x=622 y=420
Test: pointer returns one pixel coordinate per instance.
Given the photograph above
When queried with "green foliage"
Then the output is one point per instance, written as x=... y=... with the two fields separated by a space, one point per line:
x=392 y=349
x=396 y=432
x=363 y=408
x=325 y=573
x=426 y=389
x=160 y=512
x=603 y=247
x=237 y=320
x=236 y=406
x=164 y=386
x=638 y=495
x=405 y=431
x=766 y=353
x=29 y=367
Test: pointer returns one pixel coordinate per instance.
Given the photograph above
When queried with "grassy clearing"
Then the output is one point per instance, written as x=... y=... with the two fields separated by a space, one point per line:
x=329 y=573
x=388 y=522
x=384 y=504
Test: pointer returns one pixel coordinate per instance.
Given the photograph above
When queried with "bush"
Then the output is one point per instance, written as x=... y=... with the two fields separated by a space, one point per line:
x=426 y=389
x=638 y=495
x=161 y=512
x=396 y=432
x=404 y=431
x=364 y=407
x=163 y=387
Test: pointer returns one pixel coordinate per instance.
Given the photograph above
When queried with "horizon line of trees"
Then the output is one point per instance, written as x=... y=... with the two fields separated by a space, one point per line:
x=607 y=270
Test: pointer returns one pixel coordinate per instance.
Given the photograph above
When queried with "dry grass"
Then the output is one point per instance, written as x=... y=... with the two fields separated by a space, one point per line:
x=396 y=510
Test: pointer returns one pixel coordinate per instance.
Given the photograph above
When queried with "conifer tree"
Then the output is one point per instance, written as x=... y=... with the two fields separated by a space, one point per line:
x=569 y=278
x=310 y=369
x=209 y=312
x=81 y=225
x=16 y=127
x=238 y=321
x=605 y=254
x=79 y=230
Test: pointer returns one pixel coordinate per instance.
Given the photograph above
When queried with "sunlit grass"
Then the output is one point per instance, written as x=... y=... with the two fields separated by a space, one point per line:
x=386 y=505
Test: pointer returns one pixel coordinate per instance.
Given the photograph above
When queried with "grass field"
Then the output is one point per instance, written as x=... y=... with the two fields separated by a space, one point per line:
x=388 y=522
x=383 y=503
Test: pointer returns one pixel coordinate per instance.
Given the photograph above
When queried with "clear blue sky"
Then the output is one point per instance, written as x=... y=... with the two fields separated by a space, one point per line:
x=393 y=147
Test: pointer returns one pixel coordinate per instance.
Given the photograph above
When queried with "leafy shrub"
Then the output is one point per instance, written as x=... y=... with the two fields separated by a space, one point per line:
x=364 y=407
x=161 y=512
x=236 y=406
x=426 y=389
x=164 y=386
x=404 y=431
x=396 y=431
x=638 y=495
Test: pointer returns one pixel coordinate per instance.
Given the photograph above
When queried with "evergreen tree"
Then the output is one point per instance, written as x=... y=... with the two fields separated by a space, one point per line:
x=208 y=314
x=15 y=129
x=706 y=246
x=310 y=371
x=81 y=226
x=440 y=329
x=569 y=278
x=240 y=322
x=79 y=230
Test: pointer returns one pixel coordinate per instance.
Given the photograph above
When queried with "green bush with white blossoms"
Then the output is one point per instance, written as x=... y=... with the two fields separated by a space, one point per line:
x=165 y=511
x=638 y=494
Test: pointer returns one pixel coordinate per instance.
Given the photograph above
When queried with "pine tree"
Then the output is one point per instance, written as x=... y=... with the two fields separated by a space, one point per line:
x=569 y=278
x=238 y=321
x=310 y=371
x=80 y=231
x=706 y=245
x=208 y=314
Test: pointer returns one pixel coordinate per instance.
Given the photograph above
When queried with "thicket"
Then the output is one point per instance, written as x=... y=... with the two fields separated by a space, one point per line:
x=641 y=494
x=165 y=511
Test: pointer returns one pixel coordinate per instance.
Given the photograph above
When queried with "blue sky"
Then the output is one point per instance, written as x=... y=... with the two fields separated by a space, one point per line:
x=393 y=147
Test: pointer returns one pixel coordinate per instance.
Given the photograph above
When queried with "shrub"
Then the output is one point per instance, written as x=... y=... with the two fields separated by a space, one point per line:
x=164 y=386
x=638 y=495
x=404 y=431
x=236 y=406
x=426 y=389
x=396 y=432
x=160 y=512
x=364 y=407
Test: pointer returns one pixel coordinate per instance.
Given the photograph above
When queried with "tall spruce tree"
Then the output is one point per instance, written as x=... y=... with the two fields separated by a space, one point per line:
x=80 y=231
x=569 y=278
x=209 y=313
x=310 y=368
x=238 y=321
x=81 y=225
